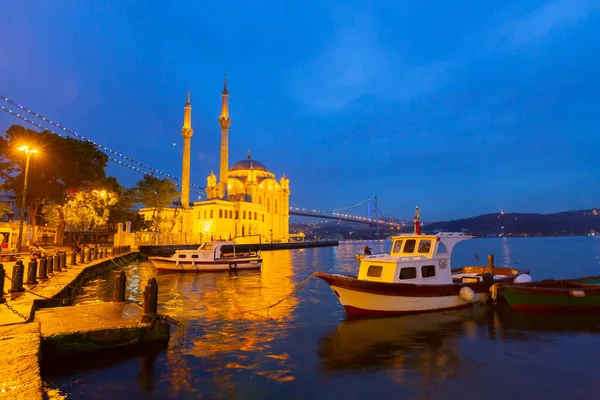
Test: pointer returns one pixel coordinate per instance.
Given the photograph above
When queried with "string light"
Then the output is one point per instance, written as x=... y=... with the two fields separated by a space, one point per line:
x=109 y=157
x=155 y=171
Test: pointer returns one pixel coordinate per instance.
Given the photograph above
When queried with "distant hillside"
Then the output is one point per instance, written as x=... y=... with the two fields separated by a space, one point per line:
x=579 y=222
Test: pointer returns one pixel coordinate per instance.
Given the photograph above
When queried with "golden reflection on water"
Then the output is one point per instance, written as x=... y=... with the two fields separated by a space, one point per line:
x=228 y=326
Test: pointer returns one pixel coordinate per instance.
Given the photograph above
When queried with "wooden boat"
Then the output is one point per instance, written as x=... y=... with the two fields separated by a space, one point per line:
x=210 y=257
x=415 y=277
x=552 y=295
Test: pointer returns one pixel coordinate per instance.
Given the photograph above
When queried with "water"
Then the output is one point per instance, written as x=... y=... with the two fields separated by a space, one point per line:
x=306 y=347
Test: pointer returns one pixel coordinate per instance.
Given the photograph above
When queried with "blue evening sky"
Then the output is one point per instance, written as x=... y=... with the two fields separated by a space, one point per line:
x=460 y=107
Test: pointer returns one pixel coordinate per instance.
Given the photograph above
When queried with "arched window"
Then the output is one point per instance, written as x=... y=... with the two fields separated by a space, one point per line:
x=237 y=214
x=244 y=215
x=255 y=215
x=204 y=214
x=211 y=213
x=263 y=217
x=242 y=230
x=220 y=213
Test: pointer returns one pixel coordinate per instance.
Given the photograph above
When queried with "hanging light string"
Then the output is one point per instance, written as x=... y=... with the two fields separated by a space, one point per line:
x=109 y=157
x=101 y=146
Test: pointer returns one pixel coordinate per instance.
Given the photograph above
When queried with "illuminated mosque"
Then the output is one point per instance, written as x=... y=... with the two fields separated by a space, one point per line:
x=246 y=202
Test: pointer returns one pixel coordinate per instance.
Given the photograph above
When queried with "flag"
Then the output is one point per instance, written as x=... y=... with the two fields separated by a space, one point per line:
x=417 y=223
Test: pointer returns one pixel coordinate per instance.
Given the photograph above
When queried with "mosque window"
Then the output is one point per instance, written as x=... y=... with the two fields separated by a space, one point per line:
x=242 y=231
x=237 y=214
x=255 y=215
x=275 y=206
x=268 y=205
x=220 y=213
x=244 y=216
x=263 y=218
x=211 y=213
x=204 y=214
x=199 y=214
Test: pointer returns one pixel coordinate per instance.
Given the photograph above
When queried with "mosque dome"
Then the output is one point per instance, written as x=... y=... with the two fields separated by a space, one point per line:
x=247 y=164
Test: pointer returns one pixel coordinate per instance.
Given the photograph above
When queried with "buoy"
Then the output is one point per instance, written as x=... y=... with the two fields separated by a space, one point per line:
x=577 y=293
x=523 y=278
x=466 y=293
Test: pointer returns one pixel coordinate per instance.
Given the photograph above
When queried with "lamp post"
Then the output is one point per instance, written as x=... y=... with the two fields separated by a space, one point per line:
x=28 y=153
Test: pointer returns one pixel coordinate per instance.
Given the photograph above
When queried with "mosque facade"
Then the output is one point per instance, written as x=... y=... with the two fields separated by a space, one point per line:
x=245 y=202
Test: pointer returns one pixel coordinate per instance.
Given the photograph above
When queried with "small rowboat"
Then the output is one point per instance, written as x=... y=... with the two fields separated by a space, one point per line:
x=553 y=295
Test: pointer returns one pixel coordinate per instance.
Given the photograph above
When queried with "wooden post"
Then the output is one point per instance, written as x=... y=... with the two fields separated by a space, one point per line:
x=120 y=284
x=2 y=277
x=42 y=276
x=50 y=265
x=32 y=273
x=57 y=262
x=17 y=277
x=73 y=258
x=150 y=300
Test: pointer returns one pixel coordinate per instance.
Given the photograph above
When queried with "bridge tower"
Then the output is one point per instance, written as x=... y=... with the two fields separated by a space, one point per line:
x=225 y=123
x=373 y=203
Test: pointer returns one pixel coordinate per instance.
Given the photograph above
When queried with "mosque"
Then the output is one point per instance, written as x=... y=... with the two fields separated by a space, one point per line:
x=247 y=203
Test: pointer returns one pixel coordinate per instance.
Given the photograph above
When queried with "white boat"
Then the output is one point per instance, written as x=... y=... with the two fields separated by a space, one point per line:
x=210 y=257
x=416 y=276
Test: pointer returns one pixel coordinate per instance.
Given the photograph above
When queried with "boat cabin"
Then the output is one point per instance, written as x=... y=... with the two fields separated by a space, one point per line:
x=211 y=251
x=416 y=259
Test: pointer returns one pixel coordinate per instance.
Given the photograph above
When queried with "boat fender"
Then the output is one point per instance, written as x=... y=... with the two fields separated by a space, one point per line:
x=523 y=278
x=466 y=293
x=494 y=292
x=488 y=280
x=577 y=293
x=233 y=266
x=177 y=262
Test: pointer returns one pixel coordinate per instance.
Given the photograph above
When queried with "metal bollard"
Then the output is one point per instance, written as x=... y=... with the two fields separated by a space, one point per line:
x=73 y=258
x=62 y=259
x=150 y=300
x=120 y=284
x=32 y=272
x=50 y=265
x=57 y=262
x=2 y=277
x=95 y=254
x=17 y=277
x=82 y=256
x=42 y=273
x=89 y=256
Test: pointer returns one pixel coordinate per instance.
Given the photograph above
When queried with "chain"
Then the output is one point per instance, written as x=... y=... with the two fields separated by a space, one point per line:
x=16 y=312
x=170 y=320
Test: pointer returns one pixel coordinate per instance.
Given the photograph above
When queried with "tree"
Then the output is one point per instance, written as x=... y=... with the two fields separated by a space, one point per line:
x=82 y=210
x=156 y=194
x=4 y=208
x=61 y=164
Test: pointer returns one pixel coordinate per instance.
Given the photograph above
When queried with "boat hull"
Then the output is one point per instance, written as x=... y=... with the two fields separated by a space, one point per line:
x=165 y=264
x=535 y=298
x=375 y=298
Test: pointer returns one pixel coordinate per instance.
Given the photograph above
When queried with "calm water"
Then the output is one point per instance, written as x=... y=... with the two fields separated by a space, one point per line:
x=306 y=348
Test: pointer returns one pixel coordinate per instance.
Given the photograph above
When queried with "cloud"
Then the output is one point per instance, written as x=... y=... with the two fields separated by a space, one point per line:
x=549 y=17
x=355 y=65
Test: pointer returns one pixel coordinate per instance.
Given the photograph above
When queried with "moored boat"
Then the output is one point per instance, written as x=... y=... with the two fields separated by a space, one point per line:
x=552 y=295
x=416 y=276
x=210 y=257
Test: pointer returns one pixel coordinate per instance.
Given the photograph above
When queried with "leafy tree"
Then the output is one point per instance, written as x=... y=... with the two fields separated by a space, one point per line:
x=83 y=209
x=156 y=194
x=61 y=164
x=4 y=208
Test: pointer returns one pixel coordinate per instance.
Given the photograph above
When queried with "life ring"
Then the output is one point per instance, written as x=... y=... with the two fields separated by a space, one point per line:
x=233 y=266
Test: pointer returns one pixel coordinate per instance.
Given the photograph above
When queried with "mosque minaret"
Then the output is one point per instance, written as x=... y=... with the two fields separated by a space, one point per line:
x=187 y=133
x=225 y=123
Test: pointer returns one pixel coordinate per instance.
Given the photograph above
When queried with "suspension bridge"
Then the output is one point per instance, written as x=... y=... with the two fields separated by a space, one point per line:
x=377 y=214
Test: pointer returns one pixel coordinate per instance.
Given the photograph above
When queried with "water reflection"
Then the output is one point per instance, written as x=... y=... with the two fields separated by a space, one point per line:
x=427 y=343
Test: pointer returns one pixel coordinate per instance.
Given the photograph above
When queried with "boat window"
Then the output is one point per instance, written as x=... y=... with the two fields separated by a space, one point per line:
x=441 y=249
x=207 y=246
x=424 y=246
x=194 y=255
x=427 y=271
x=409 y=247
x=182 y=256
x=408 y=272
x=397 y=246
x=374 y=271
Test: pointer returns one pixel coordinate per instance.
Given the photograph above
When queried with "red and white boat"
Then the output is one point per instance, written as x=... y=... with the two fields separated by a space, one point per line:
x=210 y=257
x=417 y=276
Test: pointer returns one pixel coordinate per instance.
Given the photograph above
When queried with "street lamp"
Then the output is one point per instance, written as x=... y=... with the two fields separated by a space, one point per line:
x=28 y=153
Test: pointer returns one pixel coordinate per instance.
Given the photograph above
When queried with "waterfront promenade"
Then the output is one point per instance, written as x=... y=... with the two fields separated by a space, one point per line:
x=64 y=330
